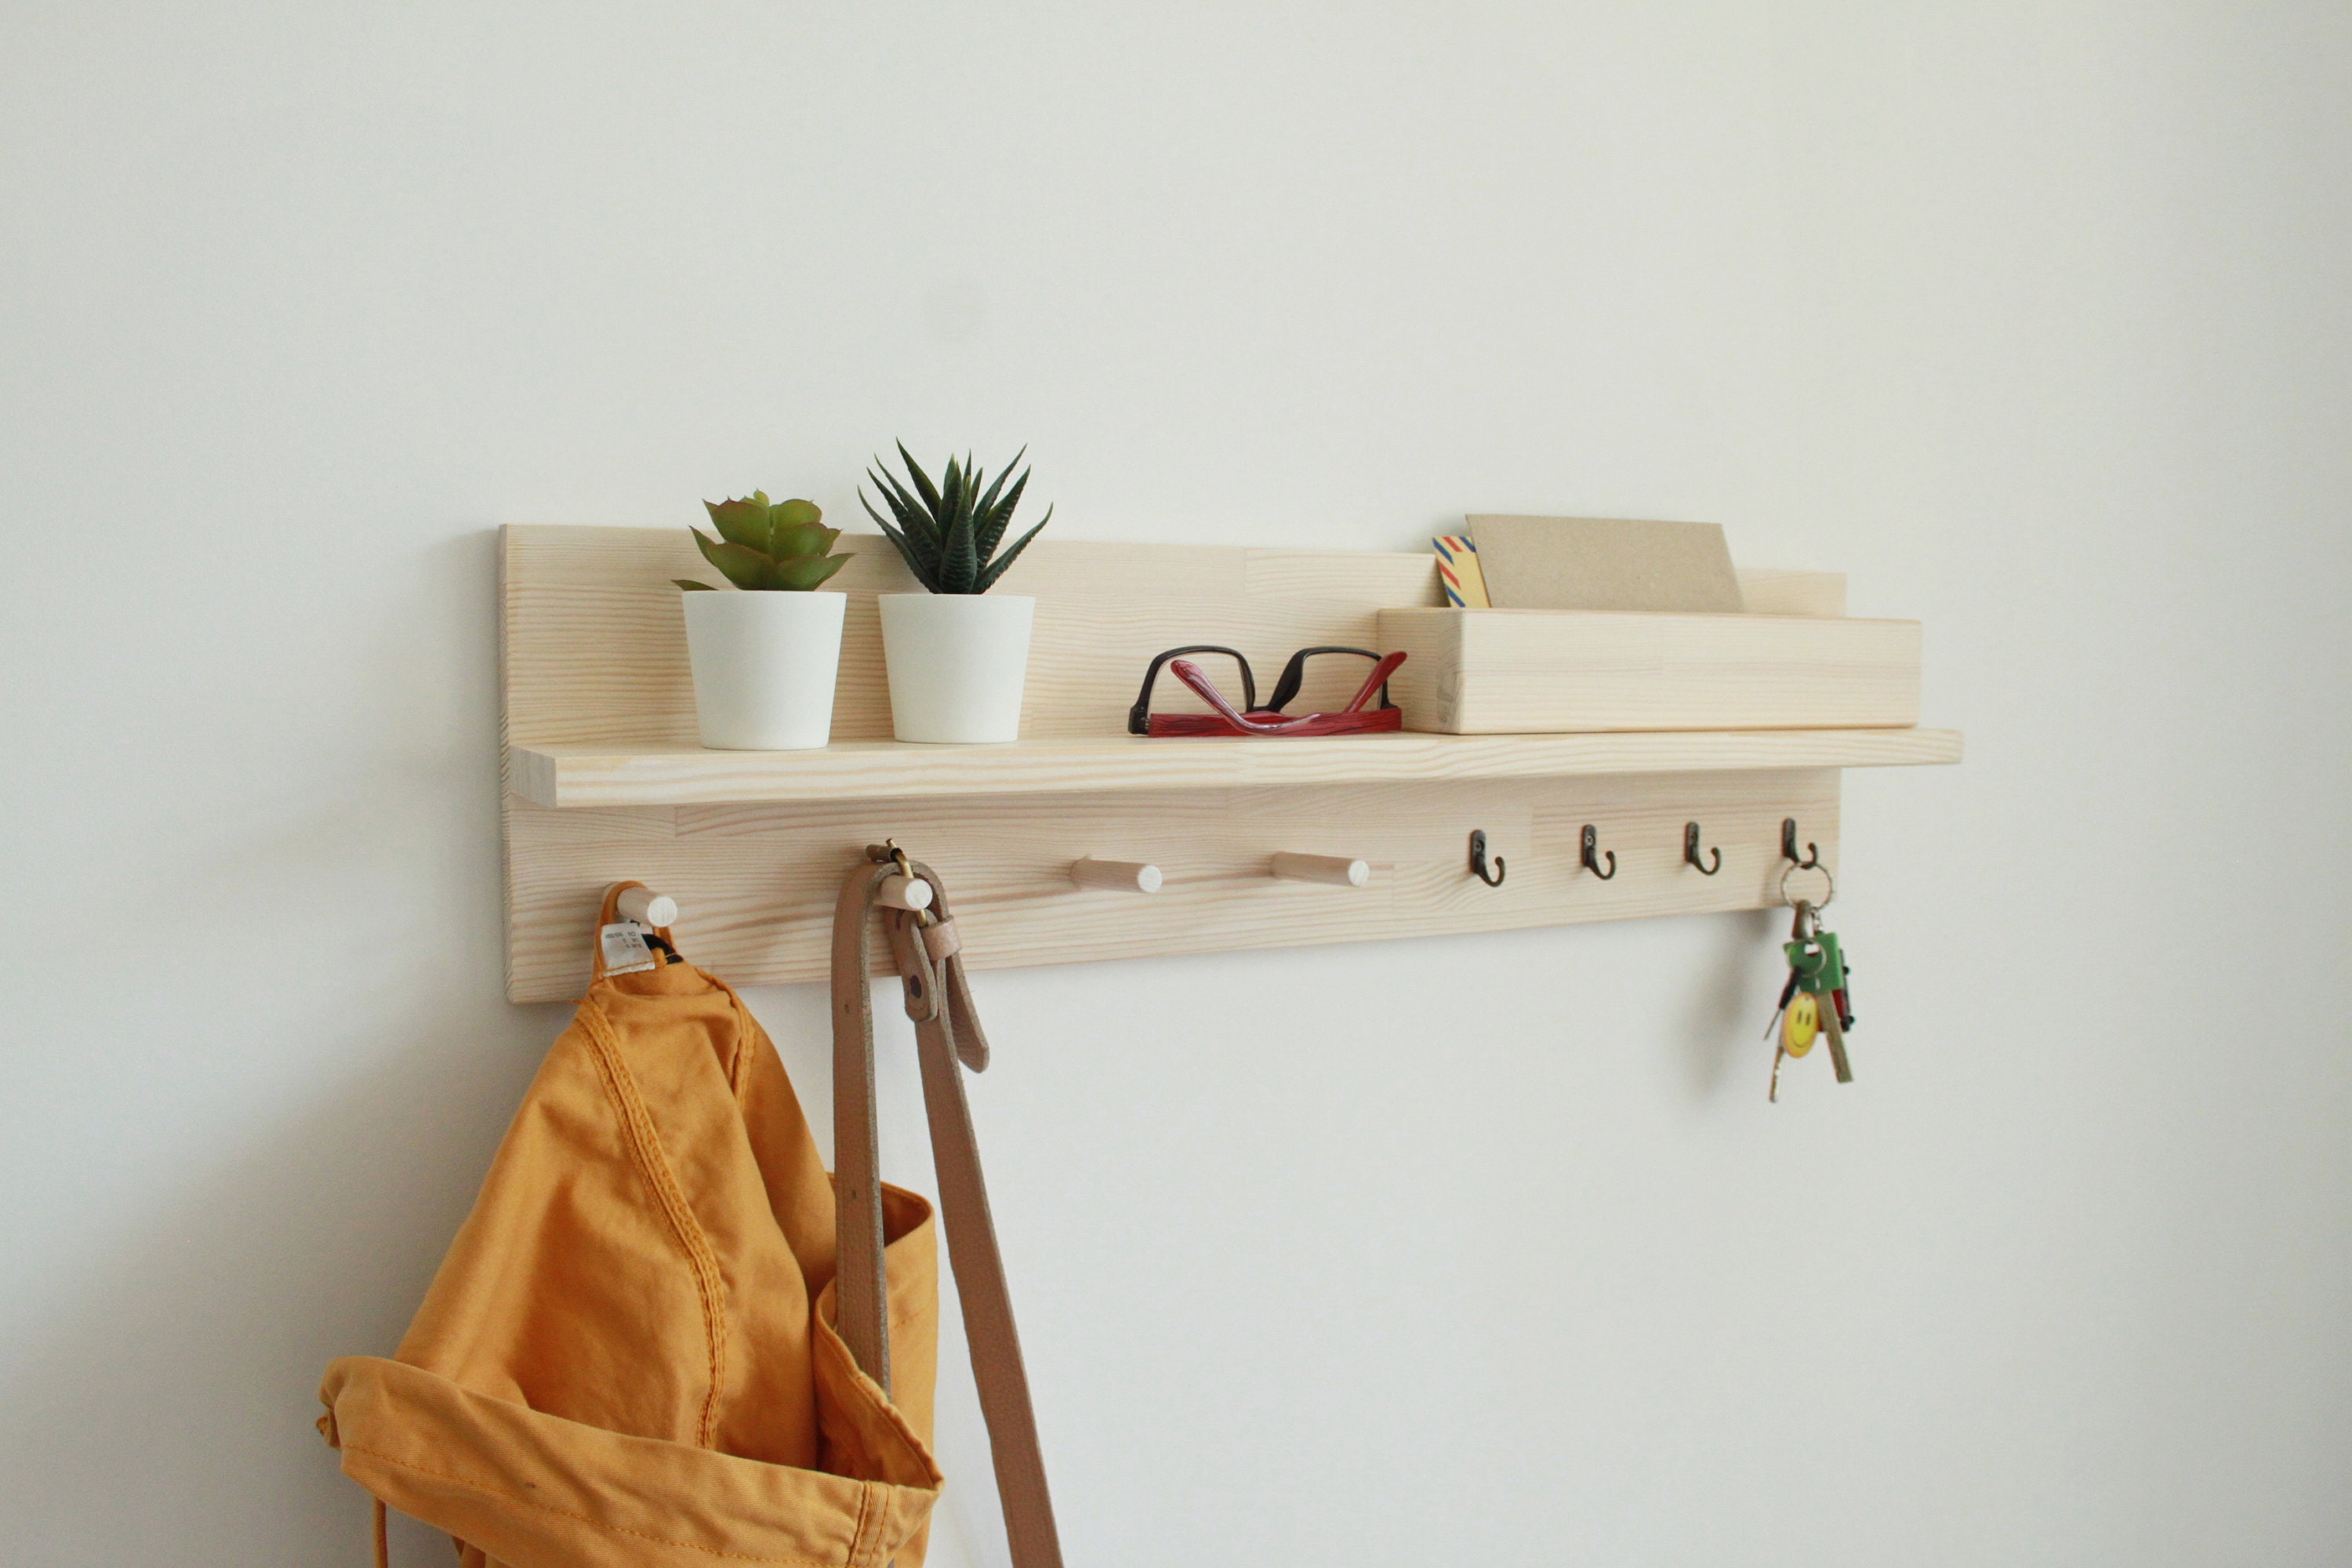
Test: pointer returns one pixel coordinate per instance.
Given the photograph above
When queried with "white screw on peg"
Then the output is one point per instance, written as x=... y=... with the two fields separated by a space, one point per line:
x=1338 y=871
x=646 y=907
x=905 y=893
x=1115 y=875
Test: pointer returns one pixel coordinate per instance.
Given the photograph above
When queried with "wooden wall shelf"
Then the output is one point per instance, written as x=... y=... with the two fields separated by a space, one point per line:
x=604 y=781
x=681 y=774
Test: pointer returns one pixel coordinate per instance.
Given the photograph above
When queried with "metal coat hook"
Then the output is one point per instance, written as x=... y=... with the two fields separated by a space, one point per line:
x=1812 y=859
x=1478 y=860
x=1690 y=850
x=1592 y=854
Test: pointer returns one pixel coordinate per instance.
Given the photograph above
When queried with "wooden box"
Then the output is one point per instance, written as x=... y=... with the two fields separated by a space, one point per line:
x=1481 y=672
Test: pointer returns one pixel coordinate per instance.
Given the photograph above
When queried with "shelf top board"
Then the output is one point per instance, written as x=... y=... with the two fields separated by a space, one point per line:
x=675 y=773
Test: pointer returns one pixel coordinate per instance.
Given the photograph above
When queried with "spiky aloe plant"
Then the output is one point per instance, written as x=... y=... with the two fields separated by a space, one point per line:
x=777 y=546
x=949 y=535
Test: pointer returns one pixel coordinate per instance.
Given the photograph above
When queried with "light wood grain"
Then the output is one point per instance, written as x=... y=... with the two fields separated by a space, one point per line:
x=756 y=882
x=646 y=907
x=605 y=783
x=1115 y=876
x=1331 y=871
x=1537 y=671
x=595 y=641
x=681 y=773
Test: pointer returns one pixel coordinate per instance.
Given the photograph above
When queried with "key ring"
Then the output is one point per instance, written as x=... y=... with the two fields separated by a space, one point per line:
x=1826 y=899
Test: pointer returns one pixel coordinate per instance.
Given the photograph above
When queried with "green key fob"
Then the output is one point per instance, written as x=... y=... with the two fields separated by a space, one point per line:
x=1816 y=962
x=1833 y=969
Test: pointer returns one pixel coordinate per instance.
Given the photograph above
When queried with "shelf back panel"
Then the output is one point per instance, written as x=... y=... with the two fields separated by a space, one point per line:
x=594 y=640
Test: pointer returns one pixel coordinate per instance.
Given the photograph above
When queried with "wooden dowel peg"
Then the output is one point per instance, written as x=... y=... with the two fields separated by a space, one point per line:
x=909 y=893
x=1337 y=870
x=1115 y=875
x=646 y=907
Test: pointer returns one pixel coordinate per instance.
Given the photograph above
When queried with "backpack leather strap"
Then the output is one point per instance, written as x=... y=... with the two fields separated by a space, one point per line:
x=947 y=1026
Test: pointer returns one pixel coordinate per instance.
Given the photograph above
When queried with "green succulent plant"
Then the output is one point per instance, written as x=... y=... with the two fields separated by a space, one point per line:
x=777 y=545
x=948 y=534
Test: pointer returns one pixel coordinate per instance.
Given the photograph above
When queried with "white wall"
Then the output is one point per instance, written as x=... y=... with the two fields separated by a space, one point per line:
x=2033 y=318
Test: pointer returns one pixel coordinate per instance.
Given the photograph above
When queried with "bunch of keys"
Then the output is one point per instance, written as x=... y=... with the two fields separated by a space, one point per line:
x=1816 y=1002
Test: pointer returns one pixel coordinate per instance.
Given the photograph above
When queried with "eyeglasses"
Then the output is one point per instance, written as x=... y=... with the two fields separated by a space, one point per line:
x=1250 y=719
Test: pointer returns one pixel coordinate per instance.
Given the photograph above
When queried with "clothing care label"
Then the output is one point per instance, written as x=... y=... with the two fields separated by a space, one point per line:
x=625 y=952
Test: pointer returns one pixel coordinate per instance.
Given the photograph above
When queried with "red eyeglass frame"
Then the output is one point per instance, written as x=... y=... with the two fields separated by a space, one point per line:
x=1227 y=719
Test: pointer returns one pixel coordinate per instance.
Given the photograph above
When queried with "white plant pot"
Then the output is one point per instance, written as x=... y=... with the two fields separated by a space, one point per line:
x=958 y=663
x=764 y=664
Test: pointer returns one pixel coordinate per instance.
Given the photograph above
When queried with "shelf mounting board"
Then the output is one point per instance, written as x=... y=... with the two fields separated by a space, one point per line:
x=605 y=781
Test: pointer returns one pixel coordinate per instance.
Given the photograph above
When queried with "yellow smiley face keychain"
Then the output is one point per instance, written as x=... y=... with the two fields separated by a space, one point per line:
x=1801 y=1023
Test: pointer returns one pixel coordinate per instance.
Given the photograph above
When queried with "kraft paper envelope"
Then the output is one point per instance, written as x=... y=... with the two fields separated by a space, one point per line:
x=1597 y=563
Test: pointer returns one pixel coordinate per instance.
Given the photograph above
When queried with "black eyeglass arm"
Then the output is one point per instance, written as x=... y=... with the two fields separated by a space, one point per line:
x=1294 y=675
x=1138 y=717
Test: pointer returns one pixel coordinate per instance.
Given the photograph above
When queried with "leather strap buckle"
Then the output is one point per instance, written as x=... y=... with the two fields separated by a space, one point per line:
x=918 y=976
x=941 y=940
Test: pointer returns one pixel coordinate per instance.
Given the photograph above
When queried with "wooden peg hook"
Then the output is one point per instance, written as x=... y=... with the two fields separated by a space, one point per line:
x=1115 y=875
x=646 y=908
x=1335 y=870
